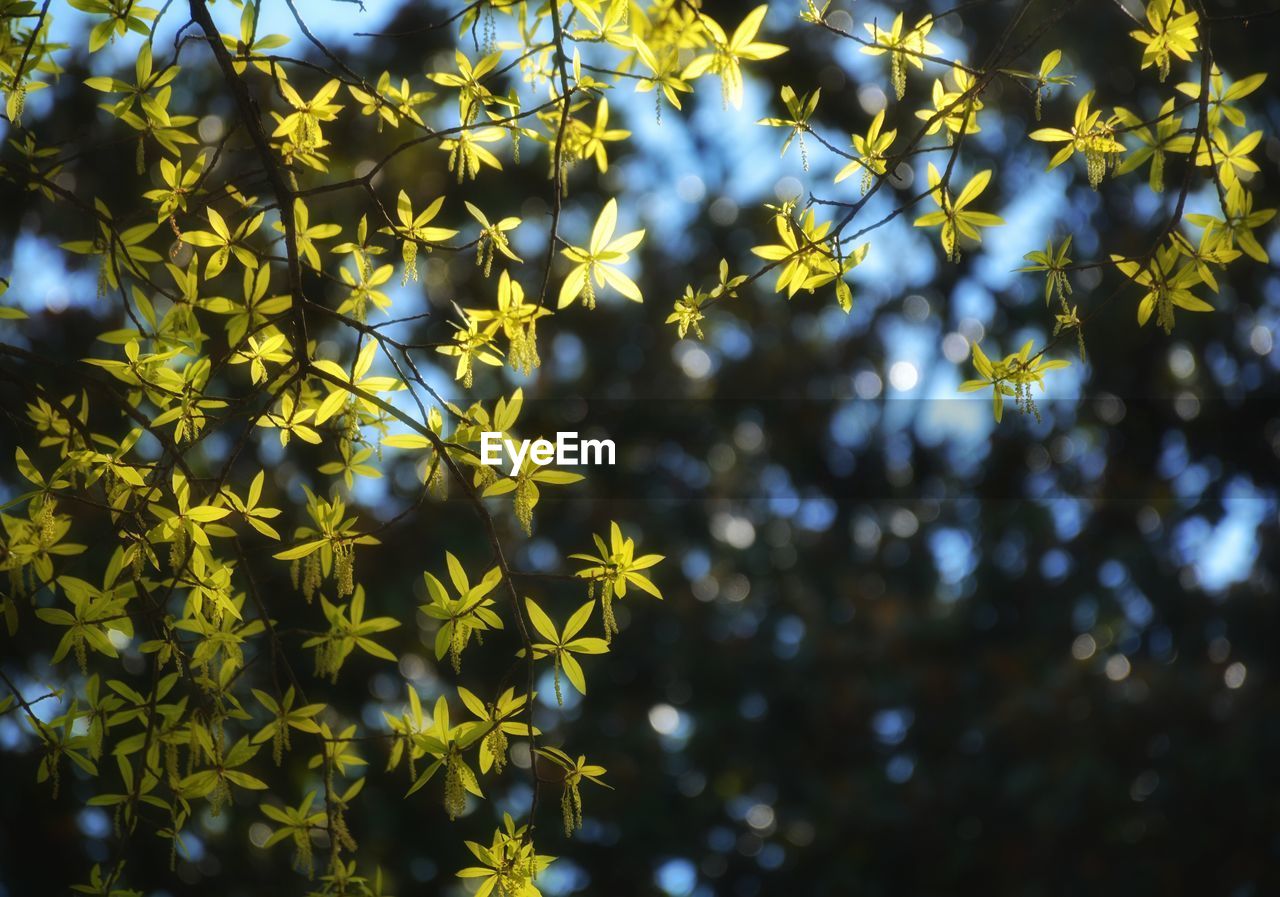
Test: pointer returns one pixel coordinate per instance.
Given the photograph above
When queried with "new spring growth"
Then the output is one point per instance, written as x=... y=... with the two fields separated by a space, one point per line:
x=597 y=264
x=1013 y=375
x=1090 y=135
x=466 y=614
x=413 y=230
x=613 y=568
x=574 y=772
x=561 y=646
x=493 y=238
x=904 y=48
